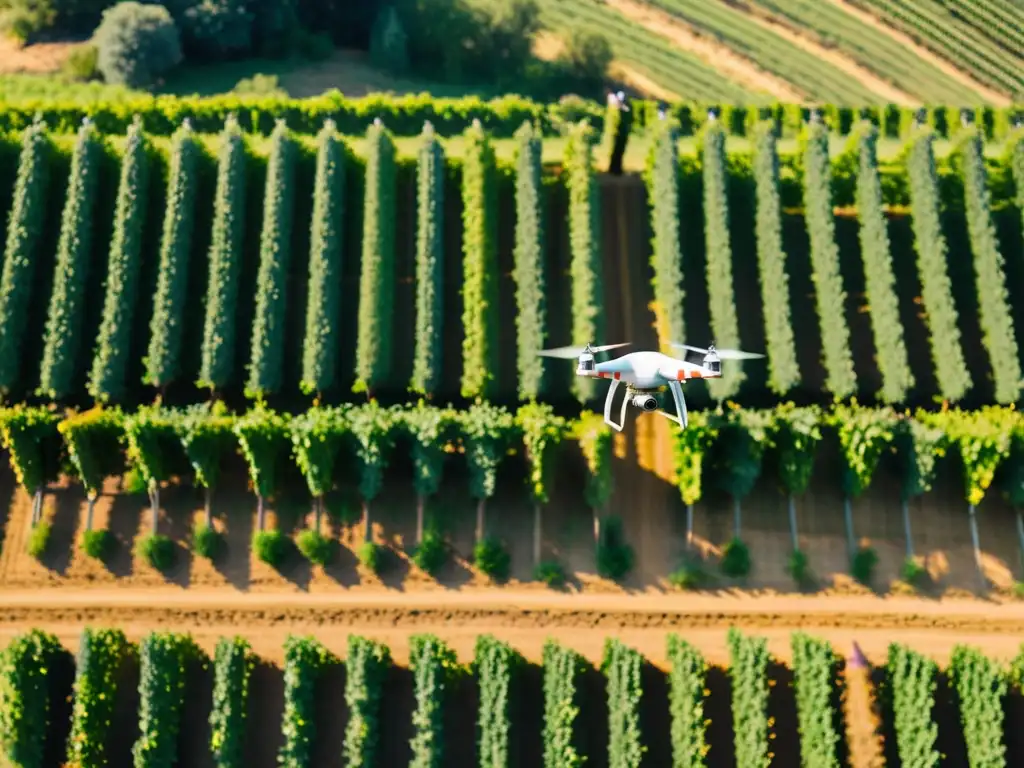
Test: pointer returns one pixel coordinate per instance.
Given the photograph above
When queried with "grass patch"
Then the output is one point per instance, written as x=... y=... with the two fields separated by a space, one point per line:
x=271 y=547
x=206 y=541
x=157 y=550
x=98 y=543
x=315 y=547
x=39 y=540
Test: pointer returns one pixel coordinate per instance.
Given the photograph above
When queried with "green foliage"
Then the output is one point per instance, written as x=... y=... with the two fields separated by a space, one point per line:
x=163 y=358
x=595 y=439
x=98 y=544
x=586 y=268
x=828 y=282
x=724 y=325
x=614 y=555
x=748 y=670
x=880 y=282
x=741 y=437
x=427 y=361
x=25 y=697
x=621 y=665
x=919 y=446
x=317 y=436
x=736 y=562
x=795 y=437
x=550 y=572
x=271 y=547
x=376 y=279
x=374 y=433
x=206 y=541
x=38 y=540
x=479 y=266
x=67 y=301
x=913 y=573
x=233 y=662
x=206 y=433
x=93 y=440
x=101 y=653
x=113 y=346
x=315 y=547
x=434 y=667
x=529 y=272
x=157 y=550
x=687 y=681
x=980 y=684
x=304 y=660
x=225 y=259
x=487 y=433
x=153 y=446
x=25 y=227
x=366 y=668
x=31 y=438
x=496 y=665
x=542 y=432
x=369 y=554
x=662 y=177
x=320 y=348
x=562 y=670
x=431 y=430
x=136 y=44
x=268 y=333
x=783 y=368
x=865 y=434
x=983 y=440
x=689 y=450
x=911 y=683
x=491 y=558
x=989 y=269
x=799 y=567
x=815 y=672
x=431 y=553
x=936 y=288
x=1015 y=157
x=164 y=659
x=862 y=568
x=263 y=437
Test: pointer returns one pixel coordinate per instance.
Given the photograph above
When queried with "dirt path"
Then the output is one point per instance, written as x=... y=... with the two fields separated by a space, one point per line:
x=37 y=59
x=525 y=619
x=865 y=77
x=722 y=58
x=908 y=42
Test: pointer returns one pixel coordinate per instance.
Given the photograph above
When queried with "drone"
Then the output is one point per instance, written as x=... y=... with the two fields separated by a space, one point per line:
x=645 y=374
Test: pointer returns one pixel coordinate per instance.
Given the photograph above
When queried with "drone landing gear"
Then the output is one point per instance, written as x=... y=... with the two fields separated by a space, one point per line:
x=677 y=394
x=608 y=407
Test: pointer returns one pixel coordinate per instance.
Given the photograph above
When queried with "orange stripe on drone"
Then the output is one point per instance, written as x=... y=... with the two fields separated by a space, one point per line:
x=683 y=374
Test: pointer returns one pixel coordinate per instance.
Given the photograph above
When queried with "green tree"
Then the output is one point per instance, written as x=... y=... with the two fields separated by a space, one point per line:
x=317 y=437
x=690 y=449
x=320 y=350
x=94 y=444
x=741 y=439
x=153 y=449
x=595 y=439
x=263 y=437
x=32 y=441
x=431 y=431
x=531 y=318
x=919 y=446
x=374 y=433
x=487 y=433
x=795 y=437
x=427 y=361
x=542 y=432
x=206 y=433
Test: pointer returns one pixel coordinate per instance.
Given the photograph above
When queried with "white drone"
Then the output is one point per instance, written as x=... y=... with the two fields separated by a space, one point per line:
x=646 y=374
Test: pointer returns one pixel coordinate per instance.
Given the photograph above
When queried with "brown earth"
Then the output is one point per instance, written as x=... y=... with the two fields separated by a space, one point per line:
x=36 y=59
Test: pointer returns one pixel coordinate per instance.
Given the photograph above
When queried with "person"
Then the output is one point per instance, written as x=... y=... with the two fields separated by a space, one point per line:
x=621 y=135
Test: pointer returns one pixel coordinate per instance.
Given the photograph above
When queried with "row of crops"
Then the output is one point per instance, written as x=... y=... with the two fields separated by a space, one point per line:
x=510 y=704
x=135 y=267
x=968 y=47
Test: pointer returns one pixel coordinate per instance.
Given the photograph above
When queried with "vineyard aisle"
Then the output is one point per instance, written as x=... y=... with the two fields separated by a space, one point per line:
x=522 y=618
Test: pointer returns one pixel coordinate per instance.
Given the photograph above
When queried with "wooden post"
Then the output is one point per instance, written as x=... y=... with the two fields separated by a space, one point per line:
x=848 y=513
x=689 y=526
x=420 y=504
x=736 y=518
x=792 y=523
x=906 y=529
x=974 y=540
x=259 y=512
x=536 y=533
x=480 y=519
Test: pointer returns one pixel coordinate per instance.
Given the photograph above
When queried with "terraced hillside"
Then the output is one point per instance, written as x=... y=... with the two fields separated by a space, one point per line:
x=842 y=51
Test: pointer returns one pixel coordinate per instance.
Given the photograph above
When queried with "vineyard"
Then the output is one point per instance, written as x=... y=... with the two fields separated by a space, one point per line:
x=368 y=710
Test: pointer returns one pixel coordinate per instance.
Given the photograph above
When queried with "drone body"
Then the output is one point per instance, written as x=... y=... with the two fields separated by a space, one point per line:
x=645 y=374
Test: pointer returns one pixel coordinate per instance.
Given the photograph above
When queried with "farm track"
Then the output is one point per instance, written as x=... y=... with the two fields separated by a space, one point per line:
x=498 y=608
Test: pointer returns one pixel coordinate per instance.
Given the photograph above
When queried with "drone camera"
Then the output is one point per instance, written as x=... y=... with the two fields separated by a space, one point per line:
x=586 y=363
x=713 y=363
x=648 y=403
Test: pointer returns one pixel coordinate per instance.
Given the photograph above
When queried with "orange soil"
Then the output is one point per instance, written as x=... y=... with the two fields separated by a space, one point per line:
x=37 y=59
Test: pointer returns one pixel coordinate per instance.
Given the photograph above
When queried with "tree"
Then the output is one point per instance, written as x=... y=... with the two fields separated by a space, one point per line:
x=531 y=318
x=662 y=177
x=32 y=441
x=372 y=428
x=741 y=438
x=542 y=432
x=919 y=446
x=317 y=437
x=595 y=439
x=427 y=362
x=431 y=430
x=206 y=432
x=487 y=433
x=94 y=444
x=154 y=449
x=795 y=437
x=263 y=437
x=689 y=451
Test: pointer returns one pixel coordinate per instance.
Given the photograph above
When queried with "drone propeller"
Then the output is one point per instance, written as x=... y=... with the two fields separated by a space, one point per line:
x=567 y=353
x=723 y=354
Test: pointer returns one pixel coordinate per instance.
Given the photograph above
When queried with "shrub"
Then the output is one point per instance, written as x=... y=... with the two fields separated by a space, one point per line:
x=736 y=559
x=550 y=572
x=614 y=555
x=369 y=553
x=233 y=664
x=157 y=550
x=798 y=567
x=315 y=547
x=97 y=544
x=688 y=576
x=82 y=64
x=133 y=483
x=863 y=566
x=260 y=85
x=913 y=572
x=389 y=42
x=136 y=44
x=216 y=29
x=430 y=553
x=206 y=541
x=491 y=557
x=22 y=20
x=270 y=546
x=38 y=540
